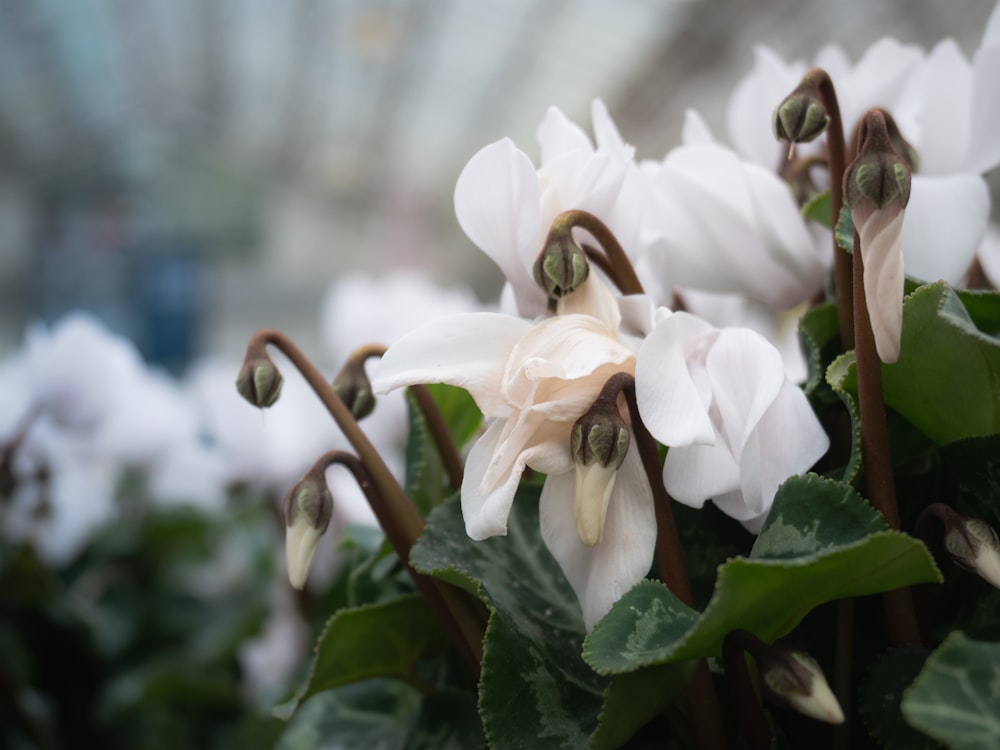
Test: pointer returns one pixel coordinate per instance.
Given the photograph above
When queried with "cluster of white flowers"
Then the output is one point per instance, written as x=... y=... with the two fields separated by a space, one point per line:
x=718 y=229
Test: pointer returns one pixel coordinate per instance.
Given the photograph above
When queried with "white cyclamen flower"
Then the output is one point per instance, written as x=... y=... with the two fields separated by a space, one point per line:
x=533 y=382
x=724 y=224
x=736 y=427
x=506 y=206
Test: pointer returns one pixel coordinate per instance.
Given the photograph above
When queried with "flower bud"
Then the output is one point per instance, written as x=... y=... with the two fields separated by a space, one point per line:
x=354 y=388
x=308 y=509
x=259 y=381
x=972 y=543
x=877 y=188
x=562 y=266
x=800 y=118
x=599 y=442
x=794 y=679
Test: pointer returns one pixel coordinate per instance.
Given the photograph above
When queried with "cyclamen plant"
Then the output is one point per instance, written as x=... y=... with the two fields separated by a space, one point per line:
x=555 y=519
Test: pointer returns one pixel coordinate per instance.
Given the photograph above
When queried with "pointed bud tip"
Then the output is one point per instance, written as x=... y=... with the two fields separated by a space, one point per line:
x=973 y=544
x=794 y=679
x=308 y=510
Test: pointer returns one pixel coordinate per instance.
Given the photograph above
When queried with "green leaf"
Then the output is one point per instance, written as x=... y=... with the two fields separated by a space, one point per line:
x=880 y=696
x=842 y=379
x=956 y=697
x=821 y=542
x=947 y=379
x=535 y=690
x=426 y=481
x=845 y=229
x=371 y=714
x=376 y=640
x=459 y=411
x=819 y=332
x=448 y=721
x=818 y=209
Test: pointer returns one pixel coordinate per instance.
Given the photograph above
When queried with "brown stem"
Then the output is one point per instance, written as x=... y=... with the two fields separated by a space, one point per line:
x=704 y=705
x=876 y=458
x=432 y=415
x=746 y=703
x=624 y=274
x=820 y=82
x=462 y=617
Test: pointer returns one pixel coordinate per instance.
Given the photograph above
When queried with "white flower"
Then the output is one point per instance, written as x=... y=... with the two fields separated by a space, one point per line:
x=532 y=383
x=736 y=427
x=727 y=225
x=945 y=107
x=506 y=206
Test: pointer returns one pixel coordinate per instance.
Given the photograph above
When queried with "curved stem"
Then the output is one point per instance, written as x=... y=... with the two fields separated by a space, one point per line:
x=462 y=617
x=876 y=457
x=432 y=415
x=704 y=705
x=820 y=82
x=624 y=274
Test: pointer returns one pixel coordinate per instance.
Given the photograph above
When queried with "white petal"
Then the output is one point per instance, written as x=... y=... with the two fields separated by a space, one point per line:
x=607 y=135
x=600 y=574
x=944 y=225
x=946 y=85
x=669 y=401
x=594 y=298
x=497 y=205
x=881 y=248
x=984 y=142
x=746 y=374
x=469 y=350
x=558 y=136
x=693 y=474
x=788 y=440
x=696 y=131
x=486 y=513
x=752 y=104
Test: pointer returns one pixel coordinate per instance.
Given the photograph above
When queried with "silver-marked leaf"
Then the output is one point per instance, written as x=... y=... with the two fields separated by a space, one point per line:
x=956 y=697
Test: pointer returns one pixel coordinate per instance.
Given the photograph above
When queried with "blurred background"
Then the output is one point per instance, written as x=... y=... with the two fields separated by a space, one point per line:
x=192 y=170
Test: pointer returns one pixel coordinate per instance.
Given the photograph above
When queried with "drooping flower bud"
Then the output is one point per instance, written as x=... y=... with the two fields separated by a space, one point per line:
x=801 y=117
x=308 y=509
x=259 y=381
x=562 y=266
x=354 y=388
x=794 y=679
x=877 y=188
x=973 y=544
x=599 y=442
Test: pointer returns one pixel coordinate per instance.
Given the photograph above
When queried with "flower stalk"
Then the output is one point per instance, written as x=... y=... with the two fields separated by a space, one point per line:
x=797 y=120
x=353 y=381
x=461 y=617
x=615 y=262
x=670 y=558
x=878 y=476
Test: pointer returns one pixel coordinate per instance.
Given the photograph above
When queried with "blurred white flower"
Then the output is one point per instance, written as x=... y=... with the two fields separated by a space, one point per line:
x=726 y=225
x=735 y=426
x=945 y=107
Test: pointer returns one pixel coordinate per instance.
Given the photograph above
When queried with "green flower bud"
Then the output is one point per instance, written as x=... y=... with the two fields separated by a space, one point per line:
x=354 y=388
x=878 y=175
x=599 y=442
x=800 y=118
x=259 y=381
x=562 y=265
x=308 y=509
